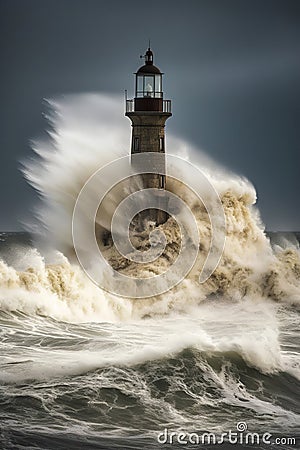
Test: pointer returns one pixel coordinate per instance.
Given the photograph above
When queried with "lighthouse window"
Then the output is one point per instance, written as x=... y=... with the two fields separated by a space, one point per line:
x=140 y=84
x=161 y=181
x=158 y=90
x=161 y=144
x=136 y=144
x=148 y=86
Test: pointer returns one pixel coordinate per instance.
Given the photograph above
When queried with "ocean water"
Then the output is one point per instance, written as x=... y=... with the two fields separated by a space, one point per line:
x=118 y=383
x=83 y=368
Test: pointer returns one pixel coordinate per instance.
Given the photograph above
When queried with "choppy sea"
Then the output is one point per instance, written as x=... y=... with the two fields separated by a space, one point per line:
x=221 y=366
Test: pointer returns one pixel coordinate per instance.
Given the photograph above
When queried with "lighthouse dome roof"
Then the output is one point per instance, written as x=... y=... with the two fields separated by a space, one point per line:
x=148 y=68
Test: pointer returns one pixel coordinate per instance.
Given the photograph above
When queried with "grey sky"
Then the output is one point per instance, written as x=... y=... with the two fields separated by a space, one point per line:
x=232 y=71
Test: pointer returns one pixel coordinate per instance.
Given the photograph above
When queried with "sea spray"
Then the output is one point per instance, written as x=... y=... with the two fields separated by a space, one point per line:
x=87 y=132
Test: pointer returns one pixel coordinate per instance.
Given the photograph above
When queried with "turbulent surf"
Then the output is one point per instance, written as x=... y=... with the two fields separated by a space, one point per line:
x=84 y=367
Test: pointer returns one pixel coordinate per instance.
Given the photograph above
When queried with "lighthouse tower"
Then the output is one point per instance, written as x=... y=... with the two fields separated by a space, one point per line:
x=148 y=112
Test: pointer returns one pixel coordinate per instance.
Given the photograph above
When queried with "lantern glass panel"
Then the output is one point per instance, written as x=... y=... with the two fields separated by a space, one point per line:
x=140 y=86
x=148 y=86
x=158 y=89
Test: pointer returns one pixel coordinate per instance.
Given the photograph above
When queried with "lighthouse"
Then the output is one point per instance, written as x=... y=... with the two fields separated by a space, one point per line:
x=148 y=112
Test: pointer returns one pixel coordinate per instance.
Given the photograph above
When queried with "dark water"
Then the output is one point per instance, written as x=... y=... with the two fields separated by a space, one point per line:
x=119 y=385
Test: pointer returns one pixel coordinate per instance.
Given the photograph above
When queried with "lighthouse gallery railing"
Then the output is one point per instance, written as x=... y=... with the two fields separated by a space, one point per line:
x=166 y=106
